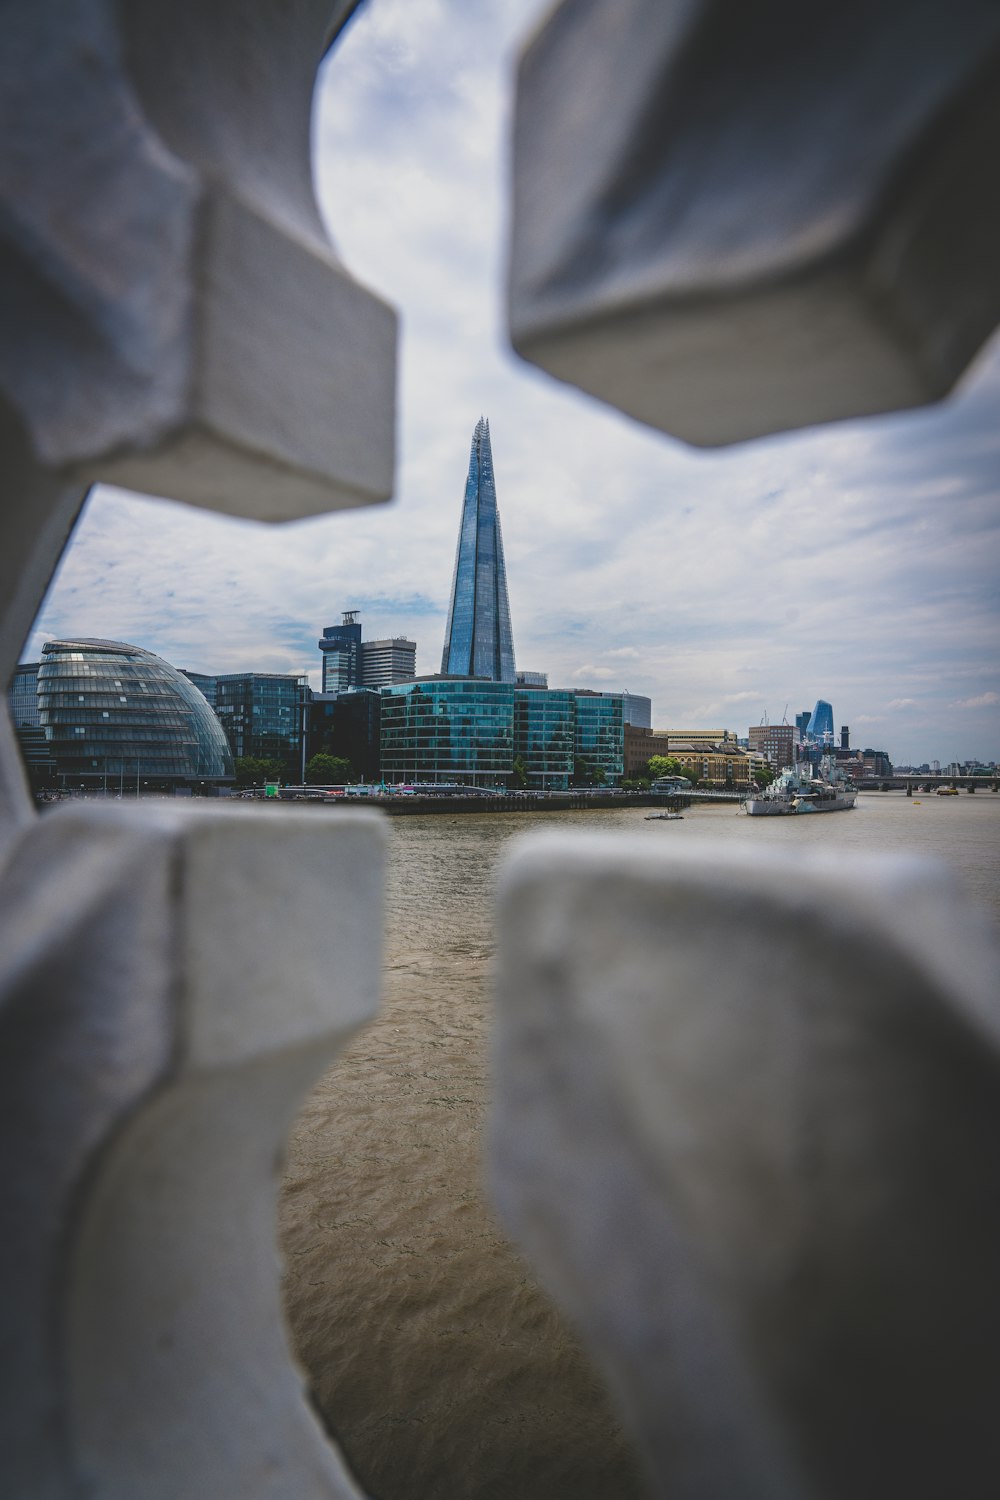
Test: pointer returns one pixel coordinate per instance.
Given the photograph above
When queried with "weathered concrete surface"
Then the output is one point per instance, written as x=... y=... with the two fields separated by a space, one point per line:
x=173 y=979
x=732 y=220
x=745 y=1127
x=174 y=317
x=161 y=1017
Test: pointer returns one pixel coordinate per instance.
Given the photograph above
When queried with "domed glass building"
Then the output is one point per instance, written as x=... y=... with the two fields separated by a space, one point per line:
x=114 y=713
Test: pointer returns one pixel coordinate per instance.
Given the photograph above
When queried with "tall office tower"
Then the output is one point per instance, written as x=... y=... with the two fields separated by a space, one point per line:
x=845 y=736
x=382 y=662
x=340 y=647
x=477 y=640
x=821 y=723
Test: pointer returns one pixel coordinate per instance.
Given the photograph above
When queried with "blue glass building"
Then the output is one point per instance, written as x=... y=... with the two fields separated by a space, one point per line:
x=478 y=640
x=821 y=724
x=261 y=716
x=341 y=648
x=116 y=713
x=600 y=733
x=545 y=736
x=443 y=729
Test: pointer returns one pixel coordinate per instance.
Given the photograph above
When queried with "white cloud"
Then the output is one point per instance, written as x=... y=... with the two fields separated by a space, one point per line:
x=985 y=700
x=898 y=703
x=603 y=674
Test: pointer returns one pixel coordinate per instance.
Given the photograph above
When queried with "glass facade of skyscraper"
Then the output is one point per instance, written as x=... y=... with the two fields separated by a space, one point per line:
x=110 y=711
x=340 y=647
x=600 y=734
x=478 y=640
x=821 y=724
x=22 y=696
x=441 y=729
x=545 y=736
x=261 y=714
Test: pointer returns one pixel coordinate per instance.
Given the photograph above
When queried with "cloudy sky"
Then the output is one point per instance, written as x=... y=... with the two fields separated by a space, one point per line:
x=856 y=563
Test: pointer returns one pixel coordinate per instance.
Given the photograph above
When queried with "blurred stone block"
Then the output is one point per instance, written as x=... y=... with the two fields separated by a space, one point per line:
x=730 y=220
x=173 y=983
x=745 y=1128
x=174 y=318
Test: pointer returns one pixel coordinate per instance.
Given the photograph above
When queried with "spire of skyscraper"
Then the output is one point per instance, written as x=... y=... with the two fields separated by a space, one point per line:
x=477 y=640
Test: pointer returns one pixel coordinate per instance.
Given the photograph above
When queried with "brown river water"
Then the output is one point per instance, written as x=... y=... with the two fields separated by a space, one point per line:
x=433 y=1357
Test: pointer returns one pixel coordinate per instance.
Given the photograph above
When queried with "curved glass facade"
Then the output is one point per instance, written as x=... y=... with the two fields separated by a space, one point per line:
x=821 y=723
x=477 y=638
x=110 y=710
x=544 y=734
x=447 y=730
x=600 y=734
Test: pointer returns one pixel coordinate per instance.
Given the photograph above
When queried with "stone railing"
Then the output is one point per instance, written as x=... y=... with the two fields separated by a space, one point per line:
x=175 y=320
x=745 y=1108
x=744 y=1122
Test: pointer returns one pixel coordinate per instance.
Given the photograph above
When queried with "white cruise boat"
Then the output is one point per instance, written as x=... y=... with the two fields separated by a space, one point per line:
x=798 y=791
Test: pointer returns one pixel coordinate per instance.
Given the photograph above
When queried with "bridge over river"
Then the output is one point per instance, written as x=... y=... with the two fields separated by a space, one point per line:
x=910 y=784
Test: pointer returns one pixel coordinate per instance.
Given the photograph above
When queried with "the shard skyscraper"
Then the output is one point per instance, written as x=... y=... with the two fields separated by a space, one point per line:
x=477 y=640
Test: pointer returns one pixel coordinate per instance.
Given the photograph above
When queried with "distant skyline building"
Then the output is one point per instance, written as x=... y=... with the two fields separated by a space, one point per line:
x=469 y=731
x=478 y=640
x=821 y=723
x=340 y=647
x=261 y=716
x=350 y=662
x=22 y=695
x=383 y=662
x=778 y=742
x=637 y=709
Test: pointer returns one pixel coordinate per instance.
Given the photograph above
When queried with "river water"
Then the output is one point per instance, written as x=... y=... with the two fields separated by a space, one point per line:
x=441 y=1368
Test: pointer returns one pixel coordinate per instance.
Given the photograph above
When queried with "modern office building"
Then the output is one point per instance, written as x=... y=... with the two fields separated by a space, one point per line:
x=383 y=662
x=820 y=730
x=204 y=683
x=446 y=730
x=22 y=701
x=349 y=661
x=261 y=715
x=778 y=742
x=637 y=710
x=340 y=646
x=468 y=731
x=531 y=679
x=118 y=717
x=478 y=640
x=22 y=696
x=545 y=736
x=599 y=740
x=347 y=725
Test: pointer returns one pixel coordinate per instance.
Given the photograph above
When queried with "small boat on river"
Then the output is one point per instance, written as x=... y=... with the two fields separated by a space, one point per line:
x=667 y=817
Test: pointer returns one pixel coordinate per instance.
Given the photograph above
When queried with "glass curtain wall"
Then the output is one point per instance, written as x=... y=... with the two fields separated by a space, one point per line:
x=600 y=734
x=478 y=639
x=448 y=731
x=544 y=736
x=117 y=716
